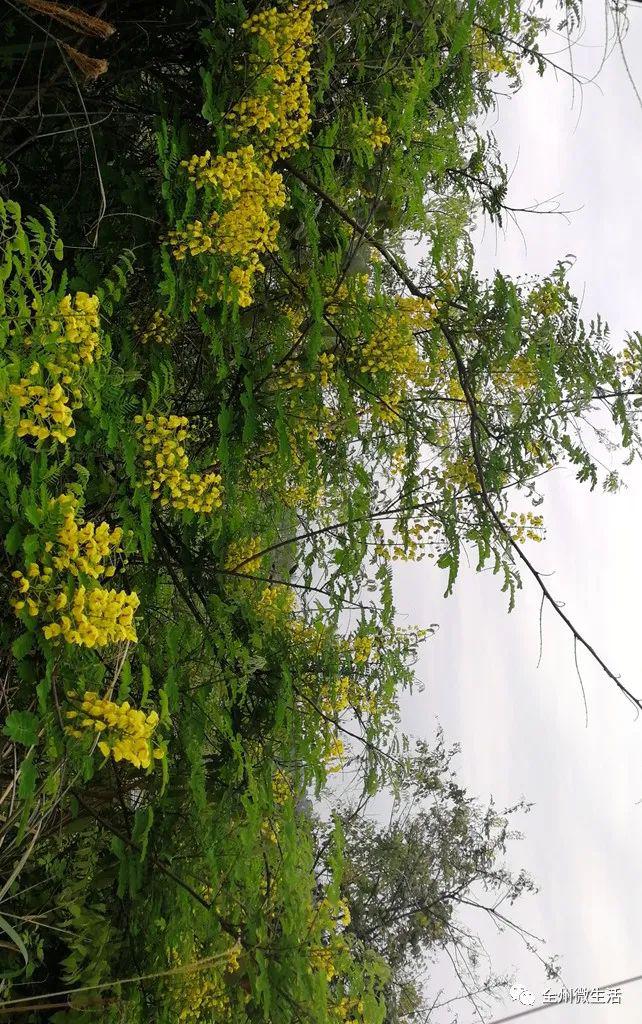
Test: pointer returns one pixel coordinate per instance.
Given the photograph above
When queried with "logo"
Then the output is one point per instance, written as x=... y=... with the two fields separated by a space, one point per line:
x=521 y=995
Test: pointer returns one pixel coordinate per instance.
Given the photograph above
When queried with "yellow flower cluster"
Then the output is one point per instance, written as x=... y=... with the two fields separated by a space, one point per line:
x=298 y=484
x=455 y=390
x=84 y=548
x=387 y=409
x=419 y=313
x=398 y=460
x=376 y=132
x=27 y=596
x=462 y=474
x=338 y=701
x=306 y=496
x=282 y=793
x=525 y=525
x=295 y=315
x=333 y=754
x=202 y=997
x=90 y=616
x=270 y=830
x=322 y=960
x=256 y=195
x=337 y=297
x=327 y=921
x=523 y=373
x=167 y=462
x=44 y=412
x=195 y=238
x=207 y=1000
x=252 y=196
x=77 y=328
x=307 y=636
x=48 y=394
x=488 y=60
x=343 y=913
x=96 y=617
x=327 y=361
x=240 y=550
x=292 y=377
x=234 y=174
x=201 y=297
x=347 y=693
x=391 y=349
x=547 y=299
x=125 y=732
x=281 y=788
x=277 y=115
x=363 y=702
x=405 y=545
x=279 y=106
x=265 y=476
x=158 y=329
x=348 y=1010
x=274 y=605
x=629 y=360
x=520 y=374
x=330 y=916
x=240 y=284
x=362 y=648
x=444 y=375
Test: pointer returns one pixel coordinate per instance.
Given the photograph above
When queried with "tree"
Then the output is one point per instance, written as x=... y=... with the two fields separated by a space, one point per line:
x=414 y=885
x=227 y=405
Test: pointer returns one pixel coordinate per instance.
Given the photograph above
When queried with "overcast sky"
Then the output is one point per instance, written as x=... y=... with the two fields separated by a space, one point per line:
x=522 y=729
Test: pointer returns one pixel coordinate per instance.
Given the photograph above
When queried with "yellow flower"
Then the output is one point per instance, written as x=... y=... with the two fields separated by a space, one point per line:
x=279 y=109
x=92 y=616
x=362 y=647
x=158 y=329
x=126 y=732
x=276 y=116
x=166 y=466
x=375 y=131
x=251 y=195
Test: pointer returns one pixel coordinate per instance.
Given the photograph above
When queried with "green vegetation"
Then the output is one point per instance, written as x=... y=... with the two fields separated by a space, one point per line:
x=227 y=406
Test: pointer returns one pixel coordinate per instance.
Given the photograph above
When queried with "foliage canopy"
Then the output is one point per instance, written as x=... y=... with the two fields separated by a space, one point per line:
x=227 y=407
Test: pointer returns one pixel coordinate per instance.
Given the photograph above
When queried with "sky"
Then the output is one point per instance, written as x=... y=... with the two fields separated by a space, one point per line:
x=522 y=727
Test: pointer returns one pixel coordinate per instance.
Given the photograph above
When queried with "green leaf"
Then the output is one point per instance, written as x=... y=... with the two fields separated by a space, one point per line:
x=13 y=540
x=146 y=681
x=15 y=938
x=28 y=777
x=143 y=821
x=22 y=727
x=21 y=647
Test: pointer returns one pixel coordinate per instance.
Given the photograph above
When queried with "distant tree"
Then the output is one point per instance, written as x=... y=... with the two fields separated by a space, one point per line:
x=414 y=885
